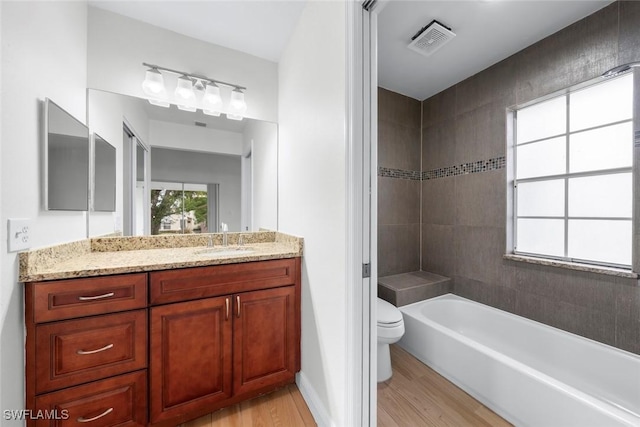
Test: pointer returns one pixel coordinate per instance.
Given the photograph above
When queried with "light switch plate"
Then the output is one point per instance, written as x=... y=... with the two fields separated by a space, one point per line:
x=19 y=235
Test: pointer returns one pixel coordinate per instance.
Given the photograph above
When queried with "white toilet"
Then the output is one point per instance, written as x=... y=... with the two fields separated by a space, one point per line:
x=390 y=330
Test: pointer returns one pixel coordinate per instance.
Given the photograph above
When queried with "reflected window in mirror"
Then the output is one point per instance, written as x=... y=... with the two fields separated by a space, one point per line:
x=183 y=208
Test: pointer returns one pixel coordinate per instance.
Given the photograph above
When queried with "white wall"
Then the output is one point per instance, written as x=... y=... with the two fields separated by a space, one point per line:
x=312 y=182
x=105 y=115
x=173 y=135
x=263 y=137
x=44 y=54
x=118 y=46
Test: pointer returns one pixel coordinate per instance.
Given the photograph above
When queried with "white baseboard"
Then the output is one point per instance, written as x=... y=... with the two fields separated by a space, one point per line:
x=317 y=408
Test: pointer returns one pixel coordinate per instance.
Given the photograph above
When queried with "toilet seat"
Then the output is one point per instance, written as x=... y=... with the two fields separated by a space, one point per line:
x=388 y=315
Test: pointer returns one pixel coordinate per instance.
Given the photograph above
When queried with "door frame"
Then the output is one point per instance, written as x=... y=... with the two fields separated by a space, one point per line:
x=362 y=215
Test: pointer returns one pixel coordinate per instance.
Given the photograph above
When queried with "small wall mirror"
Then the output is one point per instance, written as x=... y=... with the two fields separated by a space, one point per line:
x=66 y=163
x=104 y=175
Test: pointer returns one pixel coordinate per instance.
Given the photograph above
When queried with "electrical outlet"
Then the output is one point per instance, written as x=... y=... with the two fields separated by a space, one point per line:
x=19 y=234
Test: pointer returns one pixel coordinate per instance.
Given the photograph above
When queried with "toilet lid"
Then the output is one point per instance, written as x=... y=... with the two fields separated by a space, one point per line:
x=388 y=313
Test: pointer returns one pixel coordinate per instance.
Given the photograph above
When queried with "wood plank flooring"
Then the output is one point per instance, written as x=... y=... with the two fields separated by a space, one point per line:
x=282 y=408
x=416 y=395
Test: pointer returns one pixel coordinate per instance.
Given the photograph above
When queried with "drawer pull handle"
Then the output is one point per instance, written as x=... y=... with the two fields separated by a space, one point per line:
x=106 y=347
x=108 y=295
x=226 y=317
x=88 y=420
x=238 y=302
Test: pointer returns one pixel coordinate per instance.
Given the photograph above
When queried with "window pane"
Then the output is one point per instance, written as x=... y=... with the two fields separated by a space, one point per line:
x=543 y=198
x=605 y=241
x=541 y=236
x=605 y=148
x=603 y=103
x=542 y=158
x=601 y=196
x=542 y=120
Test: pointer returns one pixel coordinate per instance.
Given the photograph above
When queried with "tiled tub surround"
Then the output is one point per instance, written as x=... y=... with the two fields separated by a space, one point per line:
x=464 y=216
x=115 y=255
x=399 y=176
x=462 y=212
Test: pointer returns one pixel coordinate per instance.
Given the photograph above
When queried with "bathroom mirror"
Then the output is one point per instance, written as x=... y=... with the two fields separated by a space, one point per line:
x=234 y=162
x=66 y=162
x=104 y=175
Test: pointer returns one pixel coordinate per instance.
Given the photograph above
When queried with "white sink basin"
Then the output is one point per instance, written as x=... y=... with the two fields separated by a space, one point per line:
x=225 y=251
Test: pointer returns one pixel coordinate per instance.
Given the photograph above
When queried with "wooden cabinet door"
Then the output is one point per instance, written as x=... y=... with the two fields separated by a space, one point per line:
x=265 y=339
x=190 y=363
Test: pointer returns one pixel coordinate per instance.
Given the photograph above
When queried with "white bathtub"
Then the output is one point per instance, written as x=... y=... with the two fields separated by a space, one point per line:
x=529 y=373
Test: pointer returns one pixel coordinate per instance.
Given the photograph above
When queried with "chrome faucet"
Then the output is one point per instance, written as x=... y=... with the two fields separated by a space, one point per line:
x=225 y=229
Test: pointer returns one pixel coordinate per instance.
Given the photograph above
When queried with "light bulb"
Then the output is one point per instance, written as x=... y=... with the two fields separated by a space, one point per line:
x=185 y=97
x=184 y=89
x=237 y=106
x=153 y=84
x=211 y=101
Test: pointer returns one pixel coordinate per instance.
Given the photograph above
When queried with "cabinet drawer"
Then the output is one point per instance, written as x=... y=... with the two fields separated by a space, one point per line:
x=193 y=283
x=77 y=351
x=120 y=401
x=66 y=299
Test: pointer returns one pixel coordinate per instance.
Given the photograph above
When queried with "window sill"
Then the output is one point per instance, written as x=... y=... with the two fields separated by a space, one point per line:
x=573 y=266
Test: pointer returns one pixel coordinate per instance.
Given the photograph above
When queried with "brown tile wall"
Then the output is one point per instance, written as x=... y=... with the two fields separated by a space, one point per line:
x=398 y=198
x=464 y=216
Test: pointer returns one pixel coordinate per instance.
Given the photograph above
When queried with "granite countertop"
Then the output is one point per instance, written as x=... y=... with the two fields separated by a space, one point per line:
x=117 y=255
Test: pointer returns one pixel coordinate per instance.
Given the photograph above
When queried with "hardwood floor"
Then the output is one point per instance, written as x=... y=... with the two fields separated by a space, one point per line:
x=416 y=395
x=282 y=408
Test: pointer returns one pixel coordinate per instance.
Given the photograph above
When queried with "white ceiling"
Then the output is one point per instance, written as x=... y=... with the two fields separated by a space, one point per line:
x=486 y=31
x=259 y=27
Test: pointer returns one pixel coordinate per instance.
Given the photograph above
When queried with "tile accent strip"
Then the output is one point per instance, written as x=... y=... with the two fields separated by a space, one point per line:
x=399 y=173
x=465 y=168
x=462 y=169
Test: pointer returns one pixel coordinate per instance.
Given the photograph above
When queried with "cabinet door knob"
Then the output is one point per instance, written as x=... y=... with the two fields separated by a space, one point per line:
x=88 y=420
x=106 y=347
x=238 y=302
x=108 y=295
x=226 y=301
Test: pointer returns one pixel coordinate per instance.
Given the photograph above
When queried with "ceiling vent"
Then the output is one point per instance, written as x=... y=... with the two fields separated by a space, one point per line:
x=201 y=124
x=431 y=38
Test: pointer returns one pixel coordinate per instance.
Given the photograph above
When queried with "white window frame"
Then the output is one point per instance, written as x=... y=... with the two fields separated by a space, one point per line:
x=512 y=197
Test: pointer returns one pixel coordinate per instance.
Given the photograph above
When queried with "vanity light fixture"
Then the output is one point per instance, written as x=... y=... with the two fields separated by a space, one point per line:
x=153 y=86
x=212 y=101
x=237 y=106
x=193 y=91
x=185 y=96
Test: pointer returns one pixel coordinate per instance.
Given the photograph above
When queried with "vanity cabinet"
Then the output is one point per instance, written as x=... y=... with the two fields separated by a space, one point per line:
x=163 y=347
x=86 y=351
x=215 y=351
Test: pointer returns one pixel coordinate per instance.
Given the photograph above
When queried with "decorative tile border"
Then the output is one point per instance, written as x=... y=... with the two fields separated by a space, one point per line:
x=399 y=173
x=466 y=168
x=462 y=169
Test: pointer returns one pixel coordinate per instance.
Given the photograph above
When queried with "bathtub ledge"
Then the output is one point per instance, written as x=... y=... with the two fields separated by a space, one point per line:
x=609 y=271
